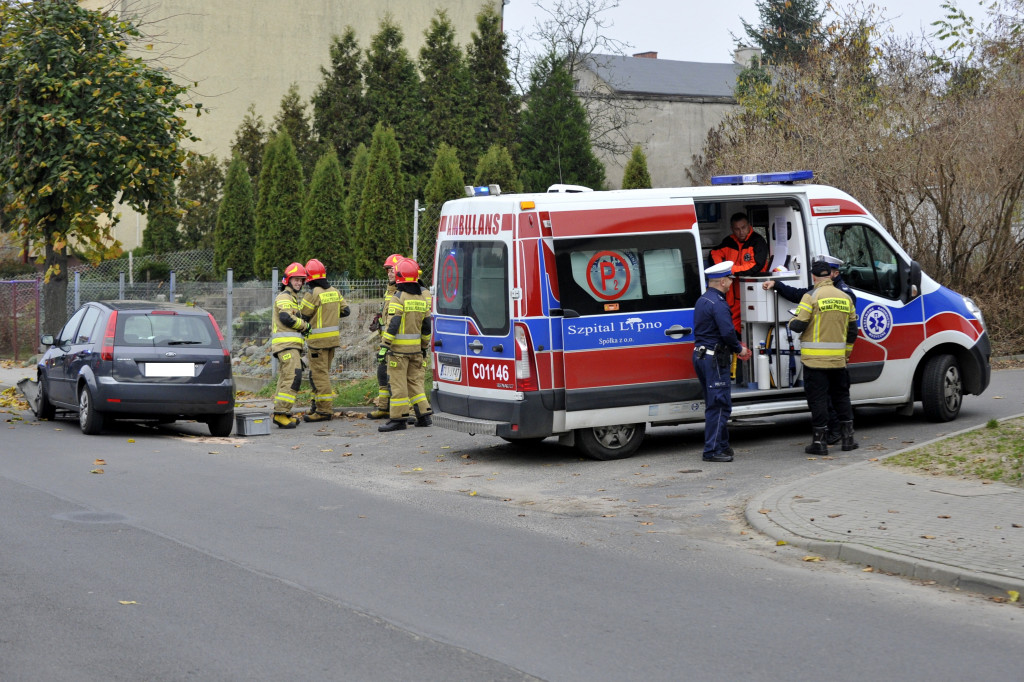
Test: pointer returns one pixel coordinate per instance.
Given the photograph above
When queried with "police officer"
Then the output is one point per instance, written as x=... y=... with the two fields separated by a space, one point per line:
x=827 y=324
x=715 y=340
x=379 y=324
x=794 y=295
x=404 y=345
x=323 y=306
x=286 y=331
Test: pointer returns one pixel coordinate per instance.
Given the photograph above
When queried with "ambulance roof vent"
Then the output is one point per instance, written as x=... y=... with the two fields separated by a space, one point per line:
x=785 y=178
x=483 y=191
x=555 y=189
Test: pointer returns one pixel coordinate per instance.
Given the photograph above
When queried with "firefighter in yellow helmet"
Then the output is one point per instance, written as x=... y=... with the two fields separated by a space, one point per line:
x=379 y=324
x=286 y=331
x=404 y=345
x=323 y=306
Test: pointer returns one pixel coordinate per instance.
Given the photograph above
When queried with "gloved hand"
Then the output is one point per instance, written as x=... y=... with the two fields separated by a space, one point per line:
x=375 y=323
x=306 y=326
x=382 y=355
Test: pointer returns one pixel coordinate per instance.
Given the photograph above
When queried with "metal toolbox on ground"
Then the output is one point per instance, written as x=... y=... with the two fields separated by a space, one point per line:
x=252 y=424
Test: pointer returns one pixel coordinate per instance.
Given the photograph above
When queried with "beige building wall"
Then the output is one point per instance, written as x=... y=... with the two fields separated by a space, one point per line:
x=242 y=52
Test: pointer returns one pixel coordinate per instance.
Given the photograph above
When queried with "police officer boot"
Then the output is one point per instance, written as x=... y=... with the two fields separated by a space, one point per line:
x=847 y=430
x=818 y=444
x=393 y=425
x=834 y=434
x=284 y=421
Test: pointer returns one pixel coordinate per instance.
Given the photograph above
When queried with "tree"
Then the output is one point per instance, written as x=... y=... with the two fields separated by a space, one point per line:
x=161 y=234
x=340 y=116
x=198 y=196
x=84 y=124
x=495 y=106
x=324 y=224
x=635 y=175
x=279 y=211
x=293 y=118
x=788 y=29
x=382 y=226
x=250 y=140
x=446 y=98
x=556 y=140
x=354 y=202
x=496 y=168
x=446 y=182
x=236 y=224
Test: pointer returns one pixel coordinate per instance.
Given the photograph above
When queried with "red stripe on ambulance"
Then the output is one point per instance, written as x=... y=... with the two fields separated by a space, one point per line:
x=639 y=219
x=629 y=366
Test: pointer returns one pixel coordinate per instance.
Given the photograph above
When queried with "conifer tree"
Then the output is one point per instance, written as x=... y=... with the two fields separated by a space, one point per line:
x=340 y=116
x=495 y=105
x=250 y=140
x=446 y=182
x=556 y=137
x=293 y=118
x=635 y=175
x=787 y=30
x=324 y=232
x=161 y=234
x=496 y=168
x=279 y=211
x=236 y=224
x=199 y=197
x=382 y=226
x=446 y=95
x=353 y=202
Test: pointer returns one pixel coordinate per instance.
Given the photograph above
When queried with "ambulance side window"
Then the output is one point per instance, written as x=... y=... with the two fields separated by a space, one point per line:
x=637 y=273
x=472 y=280
x=869 y=263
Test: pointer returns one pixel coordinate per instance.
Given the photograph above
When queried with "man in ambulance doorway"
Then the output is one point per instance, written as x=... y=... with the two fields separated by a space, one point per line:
x=748 y=252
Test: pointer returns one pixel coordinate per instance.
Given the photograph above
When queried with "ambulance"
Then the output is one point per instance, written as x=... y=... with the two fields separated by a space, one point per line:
x=570 y=313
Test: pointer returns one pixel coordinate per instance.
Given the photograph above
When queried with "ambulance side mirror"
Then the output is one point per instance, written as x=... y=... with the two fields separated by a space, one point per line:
x=912 y=287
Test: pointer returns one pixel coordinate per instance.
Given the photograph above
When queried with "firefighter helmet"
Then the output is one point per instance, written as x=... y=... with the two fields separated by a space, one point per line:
x=392 y=260
x=293 y=270
x=406 y=271
x=315 y=269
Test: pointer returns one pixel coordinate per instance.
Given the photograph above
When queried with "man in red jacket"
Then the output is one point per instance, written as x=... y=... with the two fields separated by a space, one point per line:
x=749 y=253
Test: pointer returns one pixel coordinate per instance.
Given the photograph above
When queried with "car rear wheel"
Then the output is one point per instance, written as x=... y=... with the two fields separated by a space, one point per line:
x=221 y=424
x=610 y=442
x=942 y=389
x=89 y=418
x=41 y=406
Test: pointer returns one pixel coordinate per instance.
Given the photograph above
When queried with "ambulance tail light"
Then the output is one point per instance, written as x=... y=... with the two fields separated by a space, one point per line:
x=107 y=349
x=526 y=367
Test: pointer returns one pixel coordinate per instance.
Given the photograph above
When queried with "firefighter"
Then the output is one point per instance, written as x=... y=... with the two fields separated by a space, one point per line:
x=286 y=331
x=379 y=324
x=323 y=306
x=404 y=347
x=827 y=324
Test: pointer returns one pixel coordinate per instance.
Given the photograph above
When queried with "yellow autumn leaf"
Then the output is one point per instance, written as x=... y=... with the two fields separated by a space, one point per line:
x=126 y=603
x=327 y=450
x=96 y=471
x=131 y=440
x=99 y=462
x=421 y=469
x=472 y=493
x=928 y=537
x=779 y=543
x=1014 y=595
x=813 y=558
x=867 y=569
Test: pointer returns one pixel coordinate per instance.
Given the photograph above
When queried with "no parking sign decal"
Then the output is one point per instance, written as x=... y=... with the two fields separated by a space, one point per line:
x=610 y=274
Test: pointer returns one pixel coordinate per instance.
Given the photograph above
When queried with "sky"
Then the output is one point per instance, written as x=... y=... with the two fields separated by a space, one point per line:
x=699 y=30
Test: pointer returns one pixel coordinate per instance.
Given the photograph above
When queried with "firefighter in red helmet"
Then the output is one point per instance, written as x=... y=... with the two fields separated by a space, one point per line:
x=323 y=306
x=404 y=346
x=380 y=321
x=287 y=329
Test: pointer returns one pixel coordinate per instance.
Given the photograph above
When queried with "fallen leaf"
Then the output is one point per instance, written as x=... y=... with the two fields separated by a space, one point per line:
x=446 y=447
x=327 y=450
x=867 y=569
x=465 y=456
x=998 y=600
x=96 y=471
x=126 y=603
x=1014 y=595
x=764 y=511
x=647 y=523
x=99 y=462
x=346 y=454
x=214 y=452
x=873 y=459
x=894 y=511
x=131 y=440
x=944 y=516
x=418 y=469
x=780 y=543
x=607 y=516
x=1016 y=525
x=928 y=537
x=909 y=483
x=472 y=493
x=997 y=397
x=814 y=558
x=295 y=447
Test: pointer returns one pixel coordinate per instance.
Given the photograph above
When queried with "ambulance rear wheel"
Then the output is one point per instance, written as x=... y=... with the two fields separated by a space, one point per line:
x=610 y=442
x=942 y=389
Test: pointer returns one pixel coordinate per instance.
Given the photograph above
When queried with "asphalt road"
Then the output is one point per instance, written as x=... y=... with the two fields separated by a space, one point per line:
x=341 y=553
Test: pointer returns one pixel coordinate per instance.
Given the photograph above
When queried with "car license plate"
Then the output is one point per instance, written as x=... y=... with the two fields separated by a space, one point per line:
x=450 y=373
x=170 y=369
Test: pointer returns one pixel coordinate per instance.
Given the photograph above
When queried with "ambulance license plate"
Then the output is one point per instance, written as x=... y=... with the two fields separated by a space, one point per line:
x=450 y=373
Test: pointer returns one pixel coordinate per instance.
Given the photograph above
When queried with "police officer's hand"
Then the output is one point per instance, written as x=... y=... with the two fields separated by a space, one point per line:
x=768 y=284
x=744 y=353
x=382 y=354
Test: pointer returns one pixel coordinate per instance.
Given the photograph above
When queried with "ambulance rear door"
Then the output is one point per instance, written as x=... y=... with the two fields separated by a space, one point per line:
x=629 y=274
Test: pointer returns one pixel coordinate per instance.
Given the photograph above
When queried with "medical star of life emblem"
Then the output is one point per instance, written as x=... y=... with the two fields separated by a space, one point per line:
x=876 y=322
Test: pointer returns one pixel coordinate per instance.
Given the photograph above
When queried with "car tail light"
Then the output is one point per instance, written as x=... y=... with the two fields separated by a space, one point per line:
x=220 y=336
x=107 y=350
x=526 y=369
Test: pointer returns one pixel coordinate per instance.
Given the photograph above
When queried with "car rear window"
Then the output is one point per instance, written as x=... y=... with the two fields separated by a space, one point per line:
x=162 y=329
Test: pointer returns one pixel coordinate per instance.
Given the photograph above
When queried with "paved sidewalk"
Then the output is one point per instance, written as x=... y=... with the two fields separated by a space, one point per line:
x=967 y=534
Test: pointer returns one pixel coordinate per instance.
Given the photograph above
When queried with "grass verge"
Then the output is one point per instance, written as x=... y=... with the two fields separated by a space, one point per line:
x=349 y=393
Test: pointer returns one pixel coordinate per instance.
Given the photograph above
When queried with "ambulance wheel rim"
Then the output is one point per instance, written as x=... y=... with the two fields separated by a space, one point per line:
x=953 y=389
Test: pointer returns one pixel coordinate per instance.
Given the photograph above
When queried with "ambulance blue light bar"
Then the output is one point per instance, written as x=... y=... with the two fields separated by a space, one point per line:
x=786 y=178
x=482 y=190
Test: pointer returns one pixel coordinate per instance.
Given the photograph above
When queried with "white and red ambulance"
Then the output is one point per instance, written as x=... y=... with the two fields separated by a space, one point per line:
x=570 y=314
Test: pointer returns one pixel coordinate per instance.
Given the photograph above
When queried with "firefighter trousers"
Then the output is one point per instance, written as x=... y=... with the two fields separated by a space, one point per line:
x=320 y=360
x=405 y=374
x=383 y=388
x=289 y=379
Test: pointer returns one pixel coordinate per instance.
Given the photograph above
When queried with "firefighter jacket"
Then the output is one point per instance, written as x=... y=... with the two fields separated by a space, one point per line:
x=323 y=306
x=828 y=324
x=408 y=329
x=750 y=257
x=286 y=326
x=383 y=317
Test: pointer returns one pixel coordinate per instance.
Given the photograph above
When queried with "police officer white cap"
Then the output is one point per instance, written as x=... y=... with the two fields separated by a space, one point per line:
x=723 y=269
x=831 y=261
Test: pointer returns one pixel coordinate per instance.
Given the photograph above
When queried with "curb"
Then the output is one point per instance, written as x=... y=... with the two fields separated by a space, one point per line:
x=888 y=561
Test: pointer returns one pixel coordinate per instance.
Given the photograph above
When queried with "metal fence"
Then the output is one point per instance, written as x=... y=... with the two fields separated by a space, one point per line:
x=20 y=314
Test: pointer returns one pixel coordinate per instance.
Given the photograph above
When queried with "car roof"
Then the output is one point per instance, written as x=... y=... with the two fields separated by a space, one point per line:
x=152 y=305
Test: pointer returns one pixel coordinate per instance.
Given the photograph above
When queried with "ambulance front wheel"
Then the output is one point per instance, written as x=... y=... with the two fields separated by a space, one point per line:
x=942 y=388
x=610 y=442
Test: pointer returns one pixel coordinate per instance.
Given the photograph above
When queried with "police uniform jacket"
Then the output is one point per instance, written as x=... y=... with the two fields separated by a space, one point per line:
x=408 y=329
x=323 y=306
x=828 y=325
x=749 y=257
x=286 y=326
x=712 y=322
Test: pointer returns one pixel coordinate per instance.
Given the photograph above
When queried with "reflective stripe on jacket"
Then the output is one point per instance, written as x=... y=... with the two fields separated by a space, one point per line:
x=408 y=330
x=322 y=307
x=828 y=324
x=283 y=337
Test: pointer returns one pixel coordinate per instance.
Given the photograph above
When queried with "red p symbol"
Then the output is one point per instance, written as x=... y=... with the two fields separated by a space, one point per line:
x=607 y=273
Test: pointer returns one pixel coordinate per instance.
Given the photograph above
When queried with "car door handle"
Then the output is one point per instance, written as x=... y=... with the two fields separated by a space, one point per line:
x=497 y=349
x=476 y=346
x=678 y=331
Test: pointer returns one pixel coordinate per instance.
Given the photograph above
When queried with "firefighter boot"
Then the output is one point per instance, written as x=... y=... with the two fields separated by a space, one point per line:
x=818 y=445
x=317 y=416
x=377 y=413
x=284 y=421
x=393 y=425
x=848 y=442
